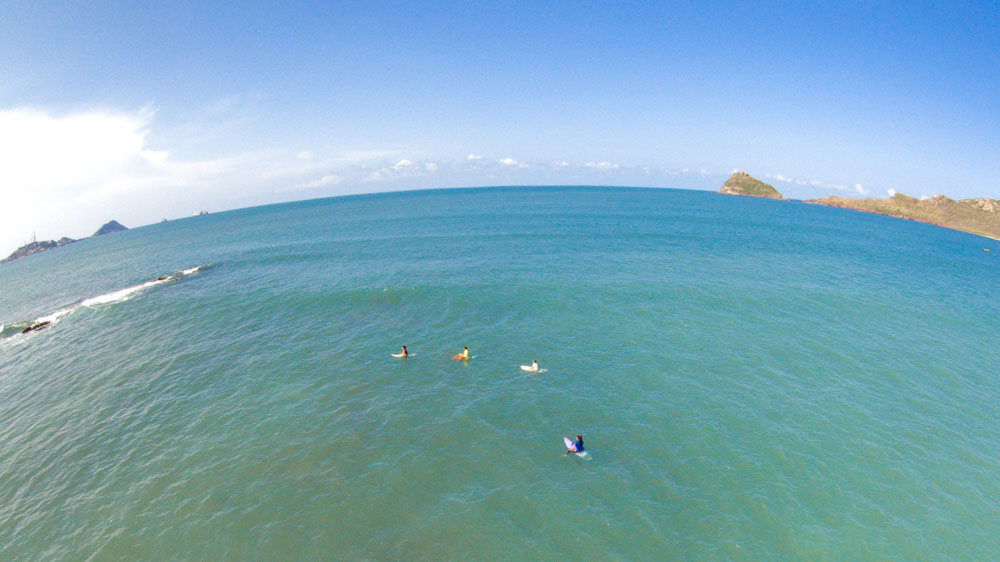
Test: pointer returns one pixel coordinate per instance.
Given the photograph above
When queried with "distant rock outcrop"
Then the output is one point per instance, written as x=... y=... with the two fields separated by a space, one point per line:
x=36 y=247
x=976 y=216
x=108 y=228
x=740 y=183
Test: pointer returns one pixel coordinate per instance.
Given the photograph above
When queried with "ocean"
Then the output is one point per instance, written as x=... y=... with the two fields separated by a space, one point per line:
x=753 y=379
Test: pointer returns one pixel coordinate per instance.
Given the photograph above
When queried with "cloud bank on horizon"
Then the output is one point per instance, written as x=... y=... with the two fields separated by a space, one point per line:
x=59 y=172
x=107 y=113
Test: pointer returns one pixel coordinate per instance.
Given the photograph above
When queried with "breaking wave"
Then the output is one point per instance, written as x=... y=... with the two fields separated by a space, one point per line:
x=43 y=322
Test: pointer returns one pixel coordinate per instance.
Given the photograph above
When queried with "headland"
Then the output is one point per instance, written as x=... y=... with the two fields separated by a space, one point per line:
x=35 y=246
x=976 y=216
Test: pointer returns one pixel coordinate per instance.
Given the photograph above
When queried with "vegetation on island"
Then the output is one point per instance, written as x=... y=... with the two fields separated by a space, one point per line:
x=976 y=216
x=740 y=183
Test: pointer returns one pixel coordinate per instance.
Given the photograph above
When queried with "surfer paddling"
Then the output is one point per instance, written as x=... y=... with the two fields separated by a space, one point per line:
x=575 y=446
x=402 y=353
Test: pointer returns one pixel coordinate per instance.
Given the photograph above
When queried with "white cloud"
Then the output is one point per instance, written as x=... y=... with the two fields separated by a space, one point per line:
x=602 y=165
x=377 y=176
x=513 y=163
x=360 y=157
x=64 y=175
x=560 y=164
x=782 y=177
x=892 y=193
x=305 y=155
x=856 y=188
x=325 y=181
x=41 y=151
x=473 y=157
x=402 y=169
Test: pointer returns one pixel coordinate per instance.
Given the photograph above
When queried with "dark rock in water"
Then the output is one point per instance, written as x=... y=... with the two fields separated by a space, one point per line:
x=36 y=327
x=113 y=226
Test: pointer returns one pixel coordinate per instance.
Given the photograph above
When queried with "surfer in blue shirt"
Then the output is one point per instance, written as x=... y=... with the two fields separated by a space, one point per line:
x=577 y=446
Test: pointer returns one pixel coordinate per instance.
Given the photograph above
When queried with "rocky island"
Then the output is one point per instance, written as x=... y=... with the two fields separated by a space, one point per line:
x=740 y=183
x=975 y=216
x=35 y=247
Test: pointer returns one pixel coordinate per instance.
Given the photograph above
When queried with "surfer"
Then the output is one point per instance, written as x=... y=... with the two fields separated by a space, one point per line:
x=577 y=446
x=533 y=368
x=403 y=353
x=463 y=355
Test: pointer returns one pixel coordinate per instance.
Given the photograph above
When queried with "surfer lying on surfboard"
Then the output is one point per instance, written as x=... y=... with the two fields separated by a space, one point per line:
x=403 y=353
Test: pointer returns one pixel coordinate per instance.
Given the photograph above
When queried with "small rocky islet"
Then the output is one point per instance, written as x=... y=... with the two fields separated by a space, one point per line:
x=741 y=183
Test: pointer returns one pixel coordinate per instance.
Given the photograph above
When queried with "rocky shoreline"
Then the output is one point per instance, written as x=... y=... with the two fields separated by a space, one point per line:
x=979 y=216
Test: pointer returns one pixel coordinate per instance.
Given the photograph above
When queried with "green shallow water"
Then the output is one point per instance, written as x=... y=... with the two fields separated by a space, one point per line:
x=754 y=379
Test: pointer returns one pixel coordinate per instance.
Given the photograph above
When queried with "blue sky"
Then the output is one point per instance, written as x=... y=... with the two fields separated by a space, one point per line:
x=138 y=112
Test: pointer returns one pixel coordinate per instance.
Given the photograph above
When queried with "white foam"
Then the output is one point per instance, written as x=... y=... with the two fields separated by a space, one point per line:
x=118 y=296
x=54 y=316
x=112 y=297
x=124 y=294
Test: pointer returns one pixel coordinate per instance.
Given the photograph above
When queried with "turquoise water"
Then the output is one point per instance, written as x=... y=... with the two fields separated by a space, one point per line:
x=753 y=379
